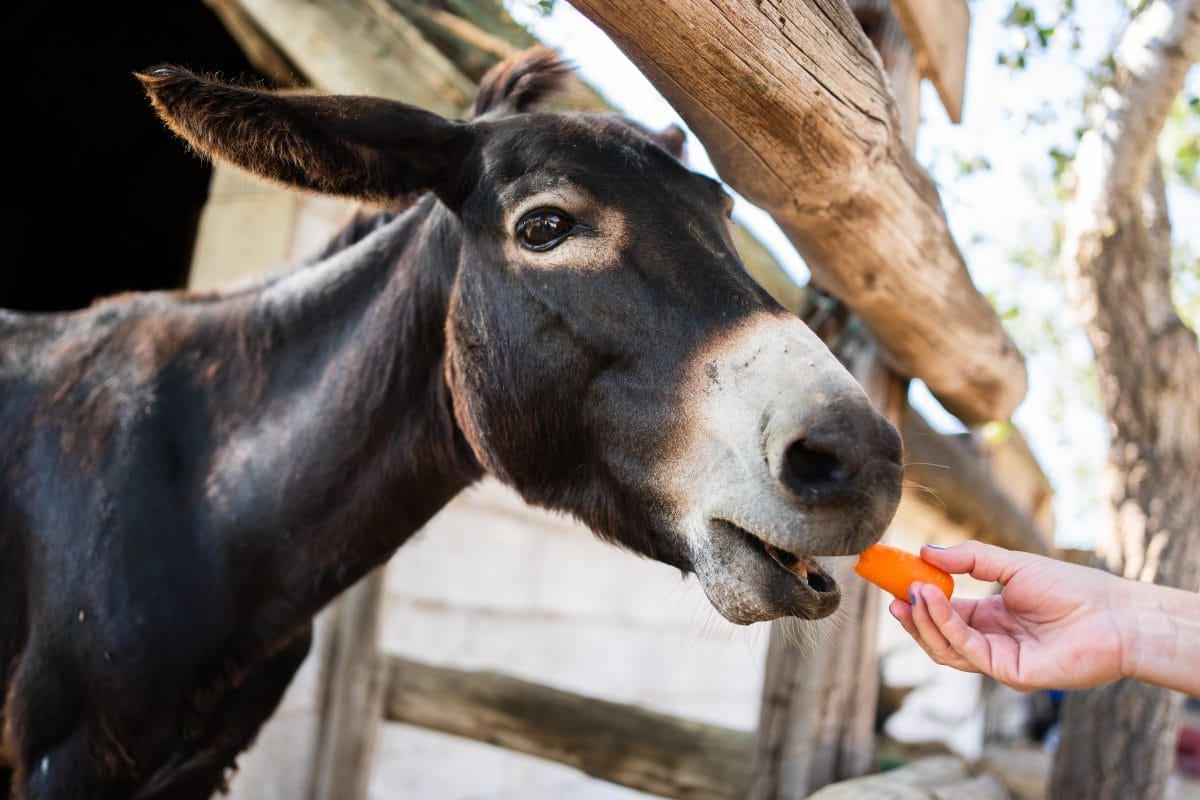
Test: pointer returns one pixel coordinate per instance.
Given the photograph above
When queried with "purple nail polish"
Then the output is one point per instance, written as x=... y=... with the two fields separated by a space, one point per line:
x=935 y=546
x=912 y=597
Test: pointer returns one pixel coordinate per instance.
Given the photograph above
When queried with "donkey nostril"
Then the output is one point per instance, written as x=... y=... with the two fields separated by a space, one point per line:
x=810 y=466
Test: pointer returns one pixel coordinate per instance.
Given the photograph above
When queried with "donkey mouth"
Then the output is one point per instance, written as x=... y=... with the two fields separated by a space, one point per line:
x=808 y=571
x=802 y=569
x=749 y=579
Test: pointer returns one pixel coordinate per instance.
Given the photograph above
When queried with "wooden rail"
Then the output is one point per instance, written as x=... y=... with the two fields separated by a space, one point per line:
x=644 y=750
x=650 y=752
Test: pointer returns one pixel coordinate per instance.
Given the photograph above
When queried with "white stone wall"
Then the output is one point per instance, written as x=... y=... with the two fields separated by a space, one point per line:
x=491 y=583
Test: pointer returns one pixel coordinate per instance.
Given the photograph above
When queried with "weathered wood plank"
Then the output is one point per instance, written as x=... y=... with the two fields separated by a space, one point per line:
x=952 y=479
x=259 y=49
x=818 y=706
x=353 y=707
x=362 y=47
x=470 y=46
x=623 y=744
x=938 y=29
x=883 y=28
x=789 y=99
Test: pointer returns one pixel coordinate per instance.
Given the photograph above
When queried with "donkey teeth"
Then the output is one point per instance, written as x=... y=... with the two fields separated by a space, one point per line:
x=800 y=569
x=797 y=565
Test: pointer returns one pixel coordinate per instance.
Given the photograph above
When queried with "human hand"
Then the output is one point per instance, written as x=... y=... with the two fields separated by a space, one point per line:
x=1053 y=625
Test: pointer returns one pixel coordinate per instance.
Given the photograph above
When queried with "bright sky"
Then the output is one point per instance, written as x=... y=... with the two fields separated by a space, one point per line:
x=993 y=213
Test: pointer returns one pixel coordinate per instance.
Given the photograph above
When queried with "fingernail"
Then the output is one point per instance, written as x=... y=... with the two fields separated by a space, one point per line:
x=912 y=597
x=935 y=547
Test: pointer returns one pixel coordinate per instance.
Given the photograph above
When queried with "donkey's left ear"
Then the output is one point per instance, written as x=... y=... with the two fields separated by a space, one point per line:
x=365 y=148
x=674 y=140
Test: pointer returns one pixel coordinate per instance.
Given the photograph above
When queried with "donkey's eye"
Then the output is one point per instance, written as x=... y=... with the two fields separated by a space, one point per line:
x=544 y=228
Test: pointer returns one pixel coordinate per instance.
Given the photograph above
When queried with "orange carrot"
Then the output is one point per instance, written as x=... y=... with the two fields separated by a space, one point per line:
x=895 y=570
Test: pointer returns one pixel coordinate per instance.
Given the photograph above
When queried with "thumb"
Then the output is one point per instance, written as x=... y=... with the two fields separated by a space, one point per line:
x=985 y=562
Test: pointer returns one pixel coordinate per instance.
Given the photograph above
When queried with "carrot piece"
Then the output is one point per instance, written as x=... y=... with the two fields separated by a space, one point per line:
x=895 y=570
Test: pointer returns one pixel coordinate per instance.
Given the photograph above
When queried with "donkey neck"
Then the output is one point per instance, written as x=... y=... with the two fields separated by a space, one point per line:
x=351 y=445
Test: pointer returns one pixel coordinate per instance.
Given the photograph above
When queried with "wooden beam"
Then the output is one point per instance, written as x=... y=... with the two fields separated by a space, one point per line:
x=883 y=28
x=259 y=49
x=950 y=476
x=471 y=47
x=353 y=707
x=654 y=753
x=362 y=47
x=789 y=99
x=938 y=30
x=816 y=720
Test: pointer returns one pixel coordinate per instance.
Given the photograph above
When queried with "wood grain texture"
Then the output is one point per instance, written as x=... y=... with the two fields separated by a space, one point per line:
x=900 y=61
x=623 y=744
x=353 y=707
x=790 y=101
x=955 y=480
x=362 y=47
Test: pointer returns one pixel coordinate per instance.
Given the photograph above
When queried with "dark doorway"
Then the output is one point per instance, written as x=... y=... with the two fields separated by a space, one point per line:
x=99 y=196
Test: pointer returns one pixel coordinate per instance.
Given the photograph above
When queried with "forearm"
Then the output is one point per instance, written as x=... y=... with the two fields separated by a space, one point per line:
x=1161 y=637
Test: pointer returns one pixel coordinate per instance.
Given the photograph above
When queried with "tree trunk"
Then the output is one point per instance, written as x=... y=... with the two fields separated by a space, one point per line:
x=1118 y=739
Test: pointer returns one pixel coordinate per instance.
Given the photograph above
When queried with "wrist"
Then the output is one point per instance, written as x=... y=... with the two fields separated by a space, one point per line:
x=1160 y=635
x=1133 y=609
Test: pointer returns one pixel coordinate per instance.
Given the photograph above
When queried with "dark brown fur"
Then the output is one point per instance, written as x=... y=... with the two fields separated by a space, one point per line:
x=188 y=478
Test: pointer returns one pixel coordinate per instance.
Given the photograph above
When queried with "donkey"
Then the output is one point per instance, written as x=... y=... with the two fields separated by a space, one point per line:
x=188 y=478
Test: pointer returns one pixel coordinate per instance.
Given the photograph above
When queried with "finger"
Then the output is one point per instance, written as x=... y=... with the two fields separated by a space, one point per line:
x=968 y=643
x=965 y=607
x=903 y=612
x=983 y=561
x=930 y=635
x=925 y=626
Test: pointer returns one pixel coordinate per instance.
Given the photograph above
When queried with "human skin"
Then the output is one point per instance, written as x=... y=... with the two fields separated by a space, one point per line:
x=1054 y=624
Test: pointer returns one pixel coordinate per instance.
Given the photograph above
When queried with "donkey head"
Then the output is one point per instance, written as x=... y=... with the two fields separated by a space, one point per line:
x=605 y=351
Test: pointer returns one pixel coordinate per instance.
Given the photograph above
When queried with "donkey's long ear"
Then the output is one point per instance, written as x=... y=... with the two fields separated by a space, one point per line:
x=366 y=148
